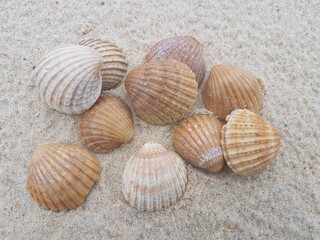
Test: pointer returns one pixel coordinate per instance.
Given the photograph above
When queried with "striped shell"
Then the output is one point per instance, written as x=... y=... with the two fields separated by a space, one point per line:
x=229 y=88
x=61 y=175
x=154 y=178
x=115 y=64
x=185 y=49
x=106 y=125
x=197 y=140
x=161 y=92
x=69 y=80
x=249 y=142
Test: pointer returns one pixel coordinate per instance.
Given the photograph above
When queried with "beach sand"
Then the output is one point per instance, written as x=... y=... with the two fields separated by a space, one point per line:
x=276 y=40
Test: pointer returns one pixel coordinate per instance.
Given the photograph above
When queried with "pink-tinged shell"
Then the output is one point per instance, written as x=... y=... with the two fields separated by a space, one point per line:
x=249 y=142
x=68 y=78
x=185 y=49
x=106 y=125
x=154 y=178
x=61 y=175
x=161 y=92
x=197 y=140
x=229 y=88
x=115 y=64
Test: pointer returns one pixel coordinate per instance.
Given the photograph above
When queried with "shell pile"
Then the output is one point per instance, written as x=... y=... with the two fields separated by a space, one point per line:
x=161 y=91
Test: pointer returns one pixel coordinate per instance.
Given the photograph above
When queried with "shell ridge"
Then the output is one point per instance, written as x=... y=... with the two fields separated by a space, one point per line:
x=59 y=169
x=53 y=189
x=36 y=176
x=83 y=165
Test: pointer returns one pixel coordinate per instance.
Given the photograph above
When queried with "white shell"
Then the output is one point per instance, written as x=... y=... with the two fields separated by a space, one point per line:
x=154 y=178
x=69 y=78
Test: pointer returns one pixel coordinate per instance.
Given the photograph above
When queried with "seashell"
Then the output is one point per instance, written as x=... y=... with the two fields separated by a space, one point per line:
x=197 y=140
x=115 y=65
x=161 y=92
x=229 y=88
x=185 y=49
x=61 y=175
x=154 y=178
x=249 y=142
x=106 y=125
x=68 y=78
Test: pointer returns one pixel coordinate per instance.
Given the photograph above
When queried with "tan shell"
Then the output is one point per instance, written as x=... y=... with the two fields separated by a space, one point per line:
x=161 y=92
x=229 y=88
x=107 y=125
x=68 y=78
x=154 y=178
x=249 y=142
x=61 y=175
x=185 y=49
x=197 y=140
x=115 y=64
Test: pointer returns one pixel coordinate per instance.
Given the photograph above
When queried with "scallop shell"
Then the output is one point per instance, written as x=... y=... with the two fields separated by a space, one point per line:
x=249 y=142
x=229 y=88
x=161 y=92
x=68 y=78
x=197 y=140
x=107 y=125
x=154 y=178
x=61 y=175
x=185 y=49
x=115 y=64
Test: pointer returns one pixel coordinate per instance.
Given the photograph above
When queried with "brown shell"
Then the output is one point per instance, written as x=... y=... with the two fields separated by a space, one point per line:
x=249 y=142
x=185 y=49
x=115 y=64
x=229 y=88
x=197 y=140
x=107 y=125
x=61 y=175
x=162 y=91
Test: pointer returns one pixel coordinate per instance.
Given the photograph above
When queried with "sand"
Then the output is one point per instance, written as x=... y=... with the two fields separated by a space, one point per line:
x=276 y=40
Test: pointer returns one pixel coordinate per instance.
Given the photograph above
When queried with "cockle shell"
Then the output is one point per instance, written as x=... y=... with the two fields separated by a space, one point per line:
x=154 y=178
x=197 y=140
x=249 y=142
x=115 y=64
x=185 y=49
x=229 y=88
x=69 y=78
x=106 y=125
x=61 y=175
x=162 y=91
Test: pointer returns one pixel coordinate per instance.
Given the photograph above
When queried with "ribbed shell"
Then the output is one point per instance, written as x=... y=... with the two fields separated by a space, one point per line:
x=161 y=92
x=197 y=140
x=106 y=125
x=229 y=88
x=185 y=49
x=61 y=175
x=68 y=78
x=115 y=64
x=154 y=178
x=249 y=142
